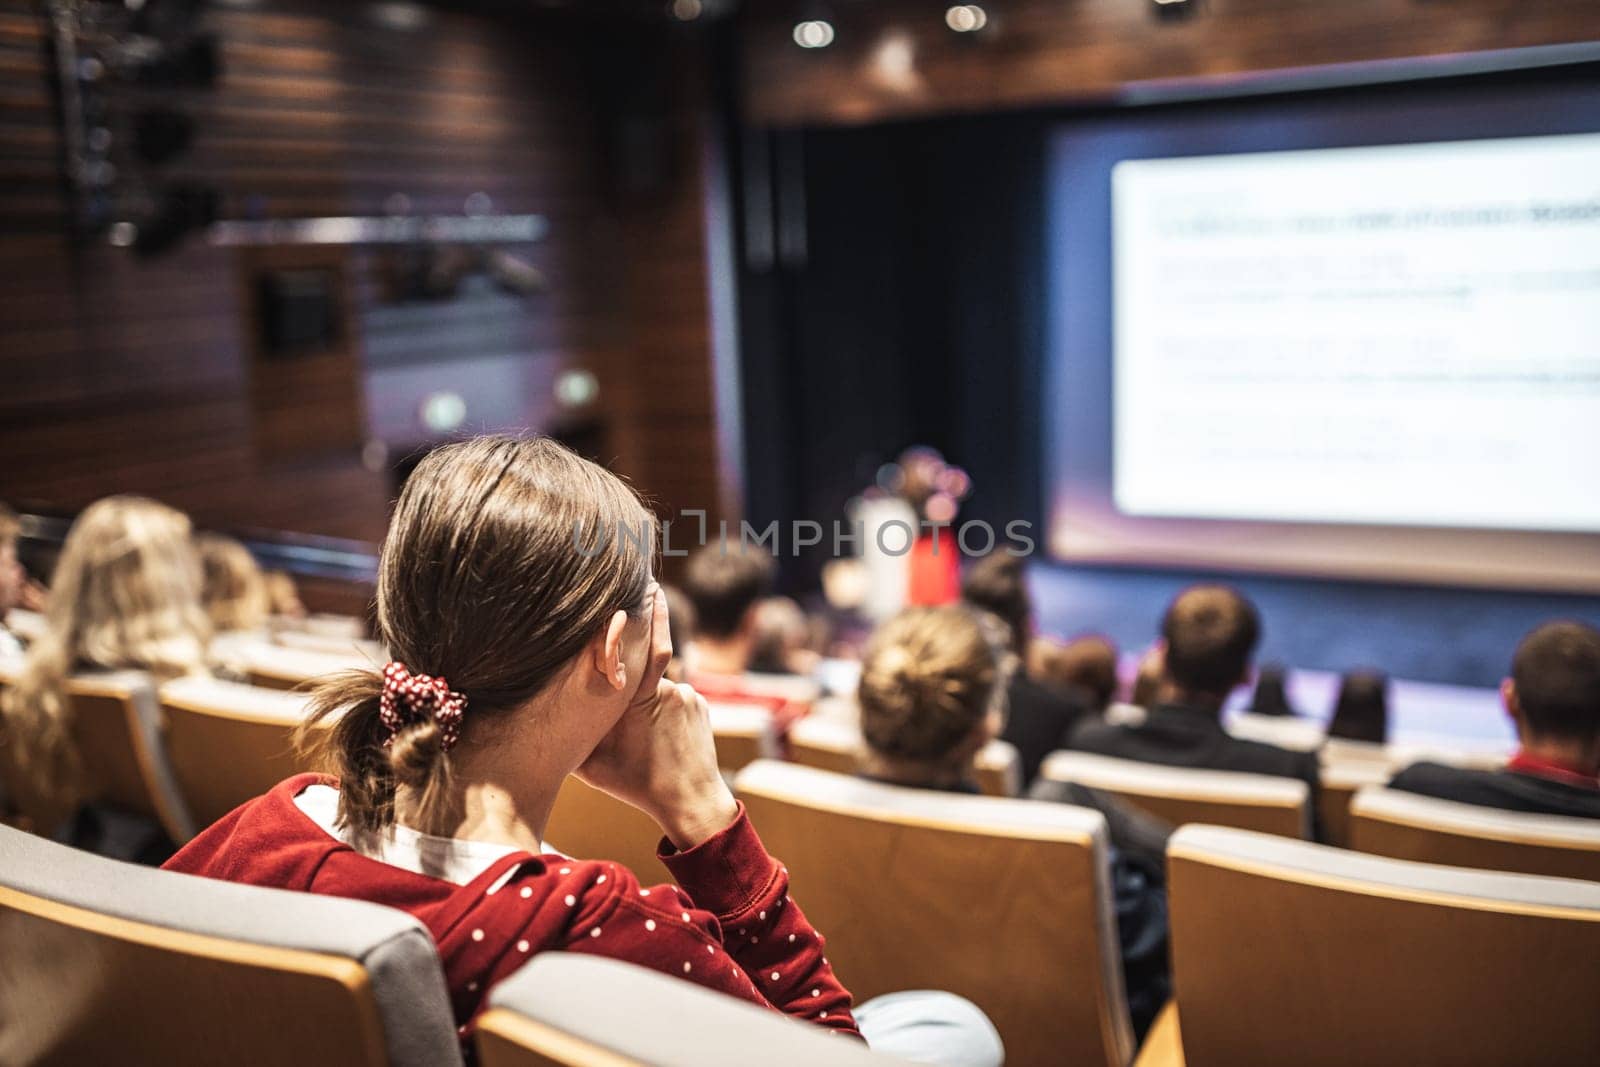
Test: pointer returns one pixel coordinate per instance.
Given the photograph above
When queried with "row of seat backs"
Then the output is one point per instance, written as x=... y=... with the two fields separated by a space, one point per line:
x=106 y=962
x=117 y=733
x=1375 y=819
x=834 y=743
x=192 y=751
x=109 y=962
x=182 y=756
x=1289 y=952
x=1283 y=951
x=223 y=743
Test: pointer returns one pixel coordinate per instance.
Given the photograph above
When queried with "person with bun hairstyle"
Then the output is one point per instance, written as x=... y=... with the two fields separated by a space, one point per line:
x=528 y=640
x=932 y=693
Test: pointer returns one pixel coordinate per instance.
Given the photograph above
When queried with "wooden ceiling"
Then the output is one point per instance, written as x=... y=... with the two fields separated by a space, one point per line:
x=898 y=59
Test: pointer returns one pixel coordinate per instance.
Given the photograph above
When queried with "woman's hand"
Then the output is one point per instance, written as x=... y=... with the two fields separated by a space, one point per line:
x=661 y=757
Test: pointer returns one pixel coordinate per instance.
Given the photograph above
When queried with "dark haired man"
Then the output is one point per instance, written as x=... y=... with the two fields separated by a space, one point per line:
x=1553 y=696
x=1208 y=637
x=1038 y=717
x=726 y=585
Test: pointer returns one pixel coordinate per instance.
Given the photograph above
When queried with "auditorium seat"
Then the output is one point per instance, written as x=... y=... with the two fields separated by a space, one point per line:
x=277 y=667
x=1185 y=794
x=1285 y=731
x=1286 y=952
x=1388 y=822
x=567 y=1010
x=744 y=733
x=590 y=824
x=322 y=624
x=1003 y=901
x=594 y=825
x=333 y=645
x=107 y=962
x=835 y=744
x=1339 y=782
x=116 y=729
x=228 y=742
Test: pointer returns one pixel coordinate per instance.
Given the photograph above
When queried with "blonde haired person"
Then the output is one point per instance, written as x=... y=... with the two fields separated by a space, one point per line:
x=125 y=595
x=283 y=596
x=13 y=580
x=516 y=594
x=234 y=588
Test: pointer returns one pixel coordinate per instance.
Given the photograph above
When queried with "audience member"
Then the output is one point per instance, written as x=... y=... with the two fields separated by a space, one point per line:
x=727 y=584
x=1038 y=719
x=234 y=589
x=782 y=642
x=1207 y=638
x=522 y=658
x=1147 y=681
x=13 y=579
x=681 y=626
x=1553 y=697
x=933 y=684
x=125 y=595
x=283 y=597
x=1085 y=668
x=1362 y=711
x=932 y=694
x=1271 y=697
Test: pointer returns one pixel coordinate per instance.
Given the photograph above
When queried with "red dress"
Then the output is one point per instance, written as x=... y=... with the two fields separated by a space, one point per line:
x=935 y=569
x=731 y=927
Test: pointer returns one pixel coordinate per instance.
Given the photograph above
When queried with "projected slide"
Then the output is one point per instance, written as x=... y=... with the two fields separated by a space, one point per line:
x=1403 y=335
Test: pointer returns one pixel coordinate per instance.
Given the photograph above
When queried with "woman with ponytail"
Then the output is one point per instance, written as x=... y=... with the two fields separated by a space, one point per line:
x=527 y=640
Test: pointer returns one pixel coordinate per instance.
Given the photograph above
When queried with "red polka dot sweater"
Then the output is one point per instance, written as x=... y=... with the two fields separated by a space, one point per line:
x=731 y=925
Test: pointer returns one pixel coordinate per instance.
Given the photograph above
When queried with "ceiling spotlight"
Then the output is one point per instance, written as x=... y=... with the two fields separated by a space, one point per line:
x=1174 y=10
x=966 y=18
x=687 y=10
x=813 y=33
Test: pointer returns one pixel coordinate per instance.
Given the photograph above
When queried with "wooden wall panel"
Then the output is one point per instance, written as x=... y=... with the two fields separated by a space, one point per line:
x=897 y=58
x=126 y=374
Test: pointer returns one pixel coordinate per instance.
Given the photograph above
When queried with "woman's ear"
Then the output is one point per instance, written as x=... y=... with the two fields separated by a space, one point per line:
x=608 y=659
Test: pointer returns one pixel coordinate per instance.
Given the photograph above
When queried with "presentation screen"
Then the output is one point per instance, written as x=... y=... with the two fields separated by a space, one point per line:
x=1372 y=360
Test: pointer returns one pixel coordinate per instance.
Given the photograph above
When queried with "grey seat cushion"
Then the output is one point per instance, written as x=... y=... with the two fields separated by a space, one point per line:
x=394 y=948
x=665 y=1021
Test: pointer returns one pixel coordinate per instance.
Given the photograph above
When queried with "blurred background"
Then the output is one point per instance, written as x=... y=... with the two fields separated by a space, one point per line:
x=260 y=255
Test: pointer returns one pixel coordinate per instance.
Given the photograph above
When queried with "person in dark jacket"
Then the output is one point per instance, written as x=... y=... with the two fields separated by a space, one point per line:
x=1208 y=636
x=1039 y=717
x=1553 y=696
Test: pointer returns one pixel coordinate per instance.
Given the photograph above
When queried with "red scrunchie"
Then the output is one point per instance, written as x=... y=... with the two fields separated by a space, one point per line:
x=412 y=698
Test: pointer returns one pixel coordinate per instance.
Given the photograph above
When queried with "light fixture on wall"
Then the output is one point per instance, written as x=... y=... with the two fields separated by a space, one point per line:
x=1174 y=10
x=813 y=33
x=966 y=18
